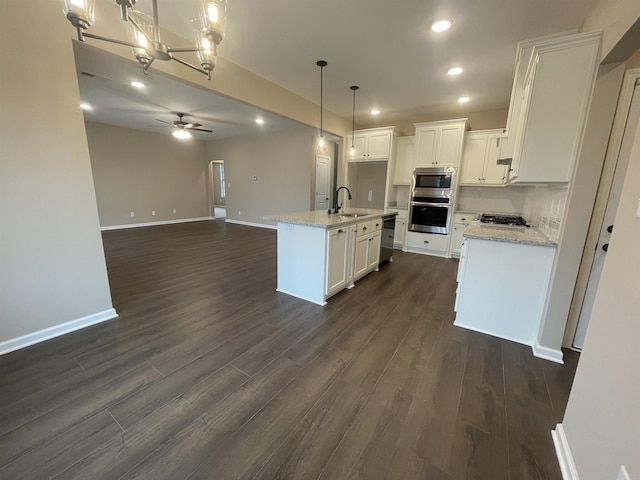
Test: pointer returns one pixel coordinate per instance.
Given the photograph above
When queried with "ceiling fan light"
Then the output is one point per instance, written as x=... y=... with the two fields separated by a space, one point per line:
x=79 y=12
x=181 y=134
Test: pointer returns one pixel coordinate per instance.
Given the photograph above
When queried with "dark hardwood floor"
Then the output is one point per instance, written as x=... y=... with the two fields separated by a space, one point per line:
x=209 y=373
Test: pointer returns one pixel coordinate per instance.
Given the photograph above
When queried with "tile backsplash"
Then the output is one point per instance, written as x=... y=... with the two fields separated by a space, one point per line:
x=545 y=208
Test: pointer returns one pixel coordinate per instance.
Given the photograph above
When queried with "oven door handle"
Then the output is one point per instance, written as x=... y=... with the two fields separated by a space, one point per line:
x=429 y=204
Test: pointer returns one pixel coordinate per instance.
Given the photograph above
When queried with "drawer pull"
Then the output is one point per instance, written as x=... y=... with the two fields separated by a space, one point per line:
x=364 y=228
x=340 y=230
x=377 y=224
x=426 y=241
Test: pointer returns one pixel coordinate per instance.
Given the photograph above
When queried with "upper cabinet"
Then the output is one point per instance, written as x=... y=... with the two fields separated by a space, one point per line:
x=404 y=161
x=439 y=143
x=549 y=102
x=374 y=144
x=482 y=149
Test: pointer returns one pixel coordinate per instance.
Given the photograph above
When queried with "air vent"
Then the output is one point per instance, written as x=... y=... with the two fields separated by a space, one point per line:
x=94 y=76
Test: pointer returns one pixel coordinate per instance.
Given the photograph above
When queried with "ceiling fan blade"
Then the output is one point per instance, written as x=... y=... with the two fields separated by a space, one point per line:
x=200 y=130
x=168 y=123
x=195 y=125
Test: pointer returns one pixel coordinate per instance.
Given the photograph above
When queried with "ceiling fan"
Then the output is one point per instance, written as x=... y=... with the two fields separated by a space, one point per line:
x=182 y=127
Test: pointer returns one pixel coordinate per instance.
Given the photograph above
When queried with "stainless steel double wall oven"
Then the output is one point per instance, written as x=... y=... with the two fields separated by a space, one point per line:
x=431 y=206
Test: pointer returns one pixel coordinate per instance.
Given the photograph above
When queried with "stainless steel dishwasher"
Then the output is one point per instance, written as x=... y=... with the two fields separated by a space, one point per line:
x=388 y=232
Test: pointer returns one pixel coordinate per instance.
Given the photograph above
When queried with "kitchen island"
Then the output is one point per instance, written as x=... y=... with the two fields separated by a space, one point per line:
x=503 y=279
x=320 y=254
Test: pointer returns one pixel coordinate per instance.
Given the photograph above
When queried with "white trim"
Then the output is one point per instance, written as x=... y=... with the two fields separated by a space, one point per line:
x=151 y=224
x=492 y=334
x=55 y=331
x=303 y=298
x=547 y=353
x=563 y=452
x=252 y=224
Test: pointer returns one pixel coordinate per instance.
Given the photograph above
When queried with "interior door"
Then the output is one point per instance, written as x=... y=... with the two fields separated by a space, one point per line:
x=323 y=182
x=607 y=224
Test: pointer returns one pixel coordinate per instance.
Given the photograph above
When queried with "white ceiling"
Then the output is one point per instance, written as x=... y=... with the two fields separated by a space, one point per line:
x=387 y=48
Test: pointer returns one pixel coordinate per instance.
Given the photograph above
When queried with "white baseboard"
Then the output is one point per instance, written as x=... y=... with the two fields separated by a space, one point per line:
x=547 y=353
x=151 y=224
x=563 y=452
x=55 y=331
x=252 y=224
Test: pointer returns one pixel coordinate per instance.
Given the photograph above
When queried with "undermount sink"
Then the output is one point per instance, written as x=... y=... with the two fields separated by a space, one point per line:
x=354 y=214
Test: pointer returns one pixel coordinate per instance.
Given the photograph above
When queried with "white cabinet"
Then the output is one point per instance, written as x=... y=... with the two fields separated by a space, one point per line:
x=401 y=229
x=367 y=247
x=479 y=159
x=502 y=288
x=460 y=223
x=429 y=243
x=374 y=144
x=403 y=161
x=338 y=256
x=439 y=143
x=546 y=133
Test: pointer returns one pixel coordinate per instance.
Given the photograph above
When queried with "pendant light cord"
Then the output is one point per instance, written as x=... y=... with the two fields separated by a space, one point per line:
x=321 y=64
x=353 y=117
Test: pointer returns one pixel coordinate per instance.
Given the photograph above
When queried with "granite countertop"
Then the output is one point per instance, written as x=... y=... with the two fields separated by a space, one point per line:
x=320 y=218
x=529 y=236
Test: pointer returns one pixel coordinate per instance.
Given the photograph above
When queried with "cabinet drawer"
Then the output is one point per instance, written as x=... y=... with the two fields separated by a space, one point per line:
x=376 y=225
x=427 y=242
x=363 y=228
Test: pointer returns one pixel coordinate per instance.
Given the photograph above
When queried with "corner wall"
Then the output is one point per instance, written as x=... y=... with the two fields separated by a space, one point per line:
x=143 y=172
x=52 y=261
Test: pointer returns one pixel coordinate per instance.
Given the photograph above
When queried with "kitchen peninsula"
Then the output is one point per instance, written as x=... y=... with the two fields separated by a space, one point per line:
x=320 y=254
x=503 y=279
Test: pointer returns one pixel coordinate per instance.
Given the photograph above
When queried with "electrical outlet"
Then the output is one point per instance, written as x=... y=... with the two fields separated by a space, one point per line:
x=153 y=212
x=370 y=195
x=132 y=214
x=255 y=177
x=239 y=212
x=174 y=211
x=622 y=474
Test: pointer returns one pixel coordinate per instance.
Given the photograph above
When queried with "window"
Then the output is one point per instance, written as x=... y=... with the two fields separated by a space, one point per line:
x=222 y=183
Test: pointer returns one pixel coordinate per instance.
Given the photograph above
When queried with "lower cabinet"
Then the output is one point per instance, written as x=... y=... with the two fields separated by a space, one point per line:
x=431 y=243
x=367 y=248
x=339 y=253
x=401 y=229
x=460 y=223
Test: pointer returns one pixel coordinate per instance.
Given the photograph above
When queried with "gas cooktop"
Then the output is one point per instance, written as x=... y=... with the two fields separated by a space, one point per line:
x=510 y=220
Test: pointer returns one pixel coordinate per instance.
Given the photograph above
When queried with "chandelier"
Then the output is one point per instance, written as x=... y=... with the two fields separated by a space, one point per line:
x=145 y=32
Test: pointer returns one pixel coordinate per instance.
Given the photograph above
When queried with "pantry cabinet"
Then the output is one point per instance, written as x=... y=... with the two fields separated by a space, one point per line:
x=481 y=152
x=439 y=143
x=549 y=108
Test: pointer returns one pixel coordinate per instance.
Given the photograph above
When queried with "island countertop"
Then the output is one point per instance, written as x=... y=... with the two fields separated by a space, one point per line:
x=322 y=219
x=528 y=236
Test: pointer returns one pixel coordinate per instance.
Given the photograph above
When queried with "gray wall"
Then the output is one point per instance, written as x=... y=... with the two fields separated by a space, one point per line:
x=280 y=162
x=52 y=267
x=141 y=172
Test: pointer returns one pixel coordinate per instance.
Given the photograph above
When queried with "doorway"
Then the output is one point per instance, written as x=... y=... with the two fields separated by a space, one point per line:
x=323 y=183
x=218 y=197
x=606 y=227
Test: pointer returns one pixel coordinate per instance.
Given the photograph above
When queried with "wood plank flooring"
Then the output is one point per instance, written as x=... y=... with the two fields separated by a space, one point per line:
x=209 y=373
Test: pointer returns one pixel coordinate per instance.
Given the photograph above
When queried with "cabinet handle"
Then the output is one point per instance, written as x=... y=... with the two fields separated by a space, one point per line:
x=463 y=219
x=370 y=239
x=377 y=224
x=340 y=230
x=426 y=241
x=364 y=228
x=498 y=142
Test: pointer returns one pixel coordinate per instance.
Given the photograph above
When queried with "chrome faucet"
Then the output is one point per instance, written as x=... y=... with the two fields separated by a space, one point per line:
x=337 y=207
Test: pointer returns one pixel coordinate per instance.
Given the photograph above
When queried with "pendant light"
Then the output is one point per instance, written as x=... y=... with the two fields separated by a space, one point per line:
x=321 y=143
x=352 y=150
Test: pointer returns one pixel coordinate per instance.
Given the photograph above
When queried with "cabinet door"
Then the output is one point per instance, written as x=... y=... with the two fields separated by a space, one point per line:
x=475 y=150
x=493 y=173
x=360 y=142
x=449 y=143
x=337 y=260
x=361 y=262
x=379 y=146
x=403 y=161
x=399 y=234
x=426 y=139
x=457 y=239
x=373 y=253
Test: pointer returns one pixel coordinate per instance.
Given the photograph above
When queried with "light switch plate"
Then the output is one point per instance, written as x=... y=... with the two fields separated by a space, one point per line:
x=638 y=209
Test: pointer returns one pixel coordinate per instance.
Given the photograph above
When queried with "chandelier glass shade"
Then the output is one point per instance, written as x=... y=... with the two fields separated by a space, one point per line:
x=144 y=32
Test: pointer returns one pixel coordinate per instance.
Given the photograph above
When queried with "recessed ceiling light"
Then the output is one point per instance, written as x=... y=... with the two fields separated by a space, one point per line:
x=441 y=25
x=375 y=111
x=86 y=106
x=259 y=121
x=455 y=71
x=463 y=99
x=137 y=84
